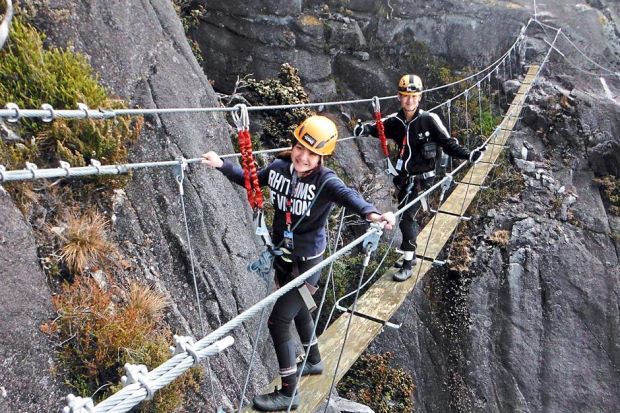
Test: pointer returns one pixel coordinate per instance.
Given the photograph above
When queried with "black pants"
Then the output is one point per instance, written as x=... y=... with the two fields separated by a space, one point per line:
x=408 y=189
x=291 y=307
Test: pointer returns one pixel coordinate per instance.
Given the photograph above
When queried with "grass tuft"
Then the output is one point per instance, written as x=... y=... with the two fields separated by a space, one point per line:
x=85 y=241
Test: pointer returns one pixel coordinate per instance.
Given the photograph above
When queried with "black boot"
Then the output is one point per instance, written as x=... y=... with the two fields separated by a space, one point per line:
x=275 y=401
x=310 y=368
x=406 y=270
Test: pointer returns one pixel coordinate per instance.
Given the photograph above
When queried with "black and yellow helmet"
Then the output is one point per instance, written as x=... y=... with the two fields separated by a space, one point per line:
x=410 y=85
x=318 y=134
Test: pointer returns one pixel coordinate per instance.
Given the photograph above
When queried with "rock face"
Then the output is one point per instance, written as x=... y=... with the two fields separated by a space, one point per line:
x=140 y=52
x=535 y=327
x=356 y=48
x=25 y=304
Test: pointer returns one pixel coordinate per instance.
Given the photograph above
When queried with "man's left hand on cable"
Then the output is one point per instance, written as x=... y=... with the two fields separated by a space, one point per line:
x=387 y=218
x=476 y=155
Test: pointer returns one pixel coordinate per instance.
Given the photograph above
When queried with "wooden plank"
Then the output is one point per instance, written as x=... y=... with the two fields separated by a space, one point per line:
x=492 y=153
x=460 y=199
x=477 y=174
x=433 y=237
x=500 y=138
x=386 y=296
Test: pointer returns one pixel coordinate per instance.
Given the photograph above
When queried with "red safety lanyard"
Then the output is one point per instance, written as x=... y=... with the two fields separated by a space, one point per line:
x=402 y=148
x=381 y=133
x=250 y=175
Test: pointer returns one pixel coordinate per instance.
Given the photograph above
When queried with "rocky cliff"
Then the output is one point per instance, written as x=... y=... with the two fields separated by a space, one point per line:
x=532 y=326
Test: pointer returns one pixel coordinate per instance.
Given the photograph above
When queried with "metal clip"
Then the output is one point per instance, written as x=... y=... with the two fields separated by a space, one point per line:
x=372 y=241
x=97 y=165
x=14 y=107
x=50 y=109
x=262 y=266
x=438 y=263
x=241 y=119
x=390 y=170
x=77 y=404
x=66 y=166
x=185 y=344
x=84 y=108
x=32 y=168
x=376 y=105
x=261 y=228
x=136 y=373
x=447 y=183
x=179 y=174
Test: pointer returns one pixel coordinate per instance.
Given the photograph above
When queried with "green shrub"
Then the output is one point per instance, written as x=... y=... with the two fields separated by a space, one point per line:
x=31 y=75
x=610 y=188
x=371 y=381
x=286 y=89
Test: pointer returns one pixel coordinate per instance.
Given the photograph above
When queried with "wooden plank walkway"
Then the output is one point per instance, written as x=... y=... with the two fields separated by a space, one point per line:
x=385 y=296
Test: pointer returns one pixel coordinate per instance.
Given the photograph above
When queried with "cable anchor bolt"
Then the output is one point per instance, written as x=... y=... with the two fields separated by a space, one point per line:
x=77 y=404
x=185 y=344
x=13 y=106
x=66 y=166
x=52 y=113
x=84 y=108
x=97 y=165
x=136 y=373
x=32 y=168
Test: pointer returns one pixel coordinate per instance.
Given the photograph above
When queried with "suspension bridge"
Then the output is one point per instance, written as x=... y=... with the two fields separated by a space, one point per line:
x=350 y=333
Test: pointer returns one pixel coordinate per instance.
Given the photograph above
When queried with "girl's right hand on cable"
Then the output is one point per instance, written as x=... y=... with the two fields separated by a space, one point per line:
x=212 y=159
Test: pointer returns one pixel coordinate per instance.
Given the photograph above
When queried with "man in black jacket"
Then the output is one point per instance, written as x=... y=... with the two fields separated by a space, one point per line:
x=418 y=134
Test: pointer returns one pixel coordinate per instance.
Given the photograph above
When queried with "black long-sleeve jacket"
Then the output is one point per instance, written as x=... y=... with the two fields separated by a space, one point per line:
x=425 y=127
x=309 y=235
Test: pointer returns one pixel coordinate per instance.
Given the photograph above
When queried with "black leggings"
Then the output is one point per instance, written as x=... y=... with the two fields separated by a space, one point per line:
x=409 y=226
x=291 y=307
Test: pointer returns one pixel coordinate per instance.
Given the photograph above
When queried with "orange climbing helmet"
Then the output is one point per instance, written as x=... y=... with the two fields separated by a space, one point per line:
x=318 y=134
x=410 y=85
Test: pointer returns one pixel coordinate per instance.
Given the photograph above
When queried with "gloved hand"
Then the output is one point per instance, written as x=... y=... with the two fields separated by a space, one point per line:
x=360 y=129
x=476 y=155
